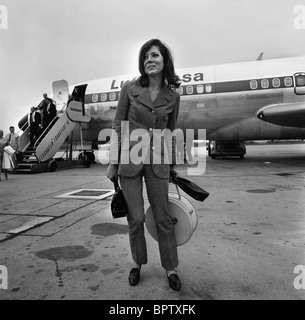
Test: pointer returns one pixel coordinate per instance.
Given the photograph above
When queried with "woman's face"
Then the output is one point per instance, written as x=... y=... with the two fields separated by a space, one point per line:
x=153 y=62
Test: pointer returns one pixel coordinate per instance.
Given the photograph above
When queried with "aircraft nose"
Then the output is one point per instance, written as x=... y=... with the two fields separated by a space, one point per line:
x=260 y=114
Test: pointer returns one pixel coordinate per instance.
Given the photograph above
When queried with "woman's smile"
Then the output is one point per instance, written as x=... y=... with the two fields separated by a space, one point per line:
x=153 y=61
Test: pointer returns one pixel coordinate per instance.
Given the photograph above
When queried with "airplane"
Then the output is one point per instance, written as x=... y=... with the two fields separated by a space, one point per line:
x=236 y=102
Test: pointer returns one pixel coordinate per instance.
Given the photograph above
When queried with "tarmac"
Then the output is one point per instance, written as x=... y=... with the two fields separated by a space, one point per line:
x=248 y=245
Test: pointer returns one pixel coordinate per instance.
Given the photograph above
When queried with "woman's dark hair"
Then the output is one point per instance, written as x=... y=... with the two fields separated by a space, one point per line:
x=169 y=76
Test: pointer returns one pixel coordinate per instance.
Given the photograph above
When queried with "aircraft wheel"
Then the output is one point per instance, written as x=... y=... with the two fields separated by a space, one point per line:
x=83 y=160
x=52 y=166
x=86 y=158
x=90 y=155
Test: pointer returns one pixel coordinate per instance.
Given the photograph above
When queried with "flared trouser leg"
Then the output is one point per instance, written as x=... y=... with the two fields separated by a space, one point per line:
x=133 y=192
x=157 y=192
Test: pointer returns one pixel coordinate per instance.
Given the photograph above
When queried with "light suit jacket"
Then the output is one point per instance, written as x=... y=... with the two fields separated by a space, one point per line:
x=136 y=115
x=13 y=139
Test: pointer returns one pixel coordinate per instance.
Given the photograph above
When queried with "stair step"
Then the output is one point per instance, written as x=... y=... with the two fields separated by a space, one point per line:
x=29 y=159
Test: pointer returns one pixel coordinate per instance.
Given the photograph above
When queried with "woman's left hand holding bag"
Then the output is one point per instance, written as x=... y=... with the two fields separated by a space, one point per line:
x=172 y=173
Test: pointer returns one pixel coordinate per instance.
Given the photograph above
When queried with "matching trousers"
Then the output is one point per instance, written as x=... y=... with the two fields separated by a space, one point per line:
x=157 y=192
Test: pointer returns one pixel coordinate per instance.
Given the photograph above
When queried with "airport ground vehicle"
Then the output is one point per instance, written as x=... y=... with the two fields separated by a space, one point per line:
x=225 y=149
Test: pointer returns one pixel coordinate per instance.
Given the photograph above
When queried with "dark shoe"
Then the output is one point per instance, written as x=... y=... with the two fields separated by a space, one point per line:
x=134 y=276
x=174 y=282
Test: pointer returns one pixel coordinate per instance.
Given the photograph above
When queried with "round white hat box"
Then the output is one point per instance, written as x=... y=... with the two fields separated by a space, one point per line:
x=181 y=209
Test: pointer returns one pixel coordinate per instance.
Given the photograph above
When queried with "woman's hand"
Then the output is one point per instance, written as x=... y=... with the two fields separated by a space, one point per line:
x=172 y=173
x=112 y=172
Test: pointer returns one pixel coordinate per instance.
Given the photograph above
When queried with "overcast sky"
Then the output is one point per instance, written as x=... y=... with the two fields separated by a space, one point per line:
x=77 y=40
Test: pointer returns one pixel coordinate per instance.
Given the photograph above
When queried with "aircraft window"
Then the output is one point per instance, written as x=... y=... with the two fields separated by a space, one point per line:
x=200 y=88
x=103 y=97
x=189 y=90
x=95 y=98
x=265 y=83
x=288 y=82
x=253 y=84
x=180 y=90
x=276 y=82
x=300 y=81
x=208 y=88
x=112 y=96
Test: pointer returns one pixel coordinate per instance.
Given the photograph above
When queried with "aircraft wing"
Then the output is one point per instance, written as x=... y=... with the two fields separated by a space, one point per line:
x=284 y=114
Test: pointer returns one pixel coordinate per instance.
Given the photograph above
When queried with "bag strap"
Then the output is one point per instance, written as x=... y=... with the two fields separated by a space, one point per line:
x=178 y=191
x=126 y=118
x=177 y=187
x=116 y=184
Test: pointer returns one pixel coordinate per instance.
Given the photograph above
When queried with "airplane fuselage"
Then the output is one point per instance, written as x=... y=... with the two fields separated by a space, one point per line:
x=257 y=100
x=222 y=99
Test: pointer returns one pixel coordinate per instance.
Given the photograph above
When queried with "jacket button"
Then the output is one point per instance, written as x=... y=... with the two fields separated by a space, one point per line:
x=153 y=111
x=150 y=129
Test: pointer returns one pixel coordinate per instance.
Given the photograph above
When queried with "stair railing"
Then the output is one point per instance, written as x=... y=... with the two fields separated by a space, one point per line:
x=44 y=133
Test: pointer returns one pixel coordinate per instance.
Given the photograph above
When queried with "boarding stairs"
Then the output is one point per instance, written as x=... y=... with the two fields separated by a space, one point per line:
x=39 y=158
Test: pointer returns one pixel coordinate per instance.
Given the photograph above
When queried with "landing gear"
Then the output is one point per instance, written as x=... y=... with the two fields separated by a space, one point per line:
x=226 y=149
x=86 y=157
x=52 y=166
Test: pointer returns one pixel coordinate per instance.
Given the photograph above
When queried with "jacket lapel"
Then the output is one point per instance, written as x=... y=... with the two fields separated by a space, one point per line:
x=143 y=97
x=163 y=98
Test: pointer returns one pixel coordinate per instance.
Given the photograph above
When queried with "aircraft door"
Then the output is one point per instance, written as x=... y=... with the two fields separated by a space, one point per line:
x=78 y=94
x=299 y=83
